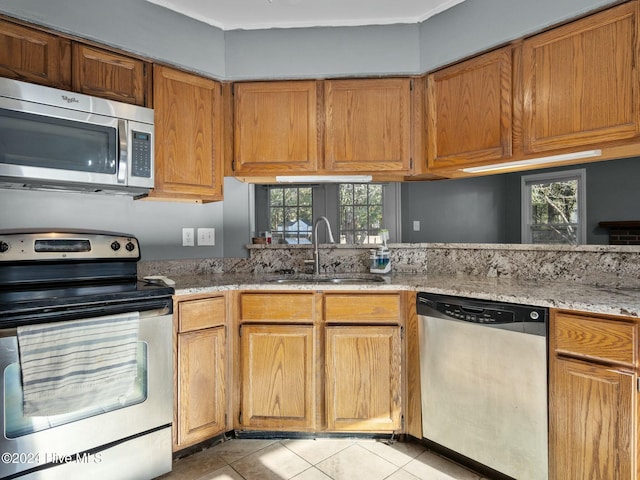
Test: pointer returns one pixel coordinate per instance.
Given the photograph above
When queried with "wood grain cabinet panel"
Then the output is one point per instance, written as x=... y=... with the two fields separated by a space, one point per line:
x=203 y=313
x=201 y=396
x=593 y=396
x=277 y=307
x=593 y=414
x=596 y=338
x=362 y=308
x=275 y=127
x=188 y=131
x=34 y=56
x=581 y=82
x=109 y=75
x=368 y=125
x=363 y=378
x=278 y=377
x=469 y=112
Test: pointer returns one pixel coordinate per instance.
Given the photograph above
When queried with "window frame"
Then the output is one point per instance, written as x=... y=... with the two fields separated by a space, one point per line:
x=325 y=202
x=548 y=177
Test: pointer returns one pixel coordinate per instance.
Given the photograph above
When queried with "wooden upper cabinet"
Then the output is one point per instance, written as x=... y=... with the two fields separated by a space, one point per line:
x=469 y=112
x=34 y=56
x=581 y=82
x=367 y=125
x=109 y=75
x=275 y=127
x=188 y=131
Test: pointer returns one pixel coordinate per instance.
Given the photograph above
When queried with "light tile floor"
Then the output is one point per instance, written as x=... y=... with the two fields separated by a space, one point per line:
x=316 y=459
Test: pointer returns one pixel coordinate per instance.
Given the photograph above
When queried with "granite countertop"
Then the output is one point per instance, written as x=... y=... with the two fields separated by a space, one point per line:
x=557 y=294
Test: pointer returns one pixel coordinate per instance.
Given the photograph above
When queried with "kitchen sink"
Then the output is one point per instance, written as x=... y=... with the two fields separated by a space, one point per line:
x=338 y=278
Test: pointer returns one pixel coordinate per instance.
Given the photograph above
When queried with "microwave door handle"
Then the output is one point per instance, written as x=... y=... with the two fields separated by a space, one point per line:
x=122 y=154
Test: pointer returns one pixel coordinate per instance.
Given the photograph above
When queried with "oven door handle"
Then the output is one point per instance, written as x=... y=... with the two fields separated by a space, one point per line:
x=147 y=309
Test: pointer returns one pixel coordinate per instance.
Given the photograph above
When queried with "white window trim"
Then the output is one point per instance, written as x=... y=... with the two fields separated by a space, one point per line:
x=577 y=174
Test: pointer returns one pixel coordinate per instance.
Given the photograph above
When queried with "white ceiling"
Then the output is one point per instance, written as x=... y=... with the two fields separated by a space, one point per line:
x=262 y=14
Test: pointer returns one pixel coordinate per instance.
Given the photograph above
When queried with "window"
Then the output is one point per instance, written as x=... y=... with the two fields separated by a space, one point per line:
x=360 y=212
x=291 y=214
x=357 y=211
x=553 y=208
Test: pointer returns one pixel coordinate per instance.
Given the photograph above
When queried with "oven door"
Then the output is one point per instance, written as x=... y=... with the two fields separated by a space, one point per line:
x=82 y=437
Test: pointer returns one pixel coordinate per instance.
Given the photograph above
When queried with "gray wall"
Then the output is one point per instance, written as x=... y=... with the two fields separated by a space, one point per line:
x=460 y=211
x=158 y=225
x=322 y=52
x=133 y=25
x=487 y=209
x=478 y=25
x=157 y=32
x=153 y=31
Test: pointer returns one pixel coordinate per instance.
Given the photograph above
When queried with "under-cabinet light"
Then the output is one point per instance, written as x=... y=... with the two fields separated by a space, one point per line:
x=534 y=161
x=323 y=178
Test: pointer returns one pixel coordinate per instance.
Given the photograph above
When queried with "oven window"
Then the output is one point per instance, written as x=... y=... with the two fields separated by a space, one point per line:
x=17 y=425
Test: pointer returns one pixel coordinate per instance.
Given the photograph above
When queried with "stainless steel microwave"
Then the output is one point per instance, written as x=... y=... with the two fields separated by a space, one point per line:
x=54 y=139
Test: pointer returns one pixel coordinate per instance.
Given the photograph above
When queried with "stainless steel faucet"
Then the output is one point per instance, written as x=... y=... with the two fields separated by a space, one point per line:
x=316 y=253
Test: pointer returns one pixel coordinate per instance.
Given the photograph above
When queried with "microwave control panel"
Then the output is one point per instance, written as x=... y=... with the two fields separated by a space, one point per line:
x=141 y=154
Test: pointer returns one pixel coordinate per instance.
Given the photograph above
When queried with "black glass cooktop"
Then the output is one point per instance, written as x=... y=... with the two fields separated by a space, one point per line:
x=65 y=301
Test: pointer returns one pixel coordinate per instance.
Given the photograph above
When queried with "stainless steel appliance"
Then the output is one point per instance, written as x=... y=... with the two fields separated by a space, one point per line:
x=54 y=139
x=483 y=368
x=62 y=278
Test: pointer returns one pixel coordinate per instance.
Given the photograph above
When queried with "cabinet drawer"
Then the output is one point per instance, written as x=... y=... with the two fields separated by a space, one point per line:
x=203 y=313
x=362 y=308
x=596 y=338
x=278 y=307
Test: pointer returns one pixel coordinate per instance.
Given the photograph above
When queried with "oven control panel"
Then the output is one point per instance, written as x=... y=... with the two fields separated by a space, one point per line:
x=67 y=245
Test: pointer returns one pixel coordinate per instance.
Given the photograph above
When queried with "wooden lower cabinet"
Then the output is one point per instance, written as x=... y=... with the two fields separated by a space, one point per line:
x=320 y=361
x=362 y=375
x=201 y=400
x=593 y=397
x=592 y=413
x=278 y=379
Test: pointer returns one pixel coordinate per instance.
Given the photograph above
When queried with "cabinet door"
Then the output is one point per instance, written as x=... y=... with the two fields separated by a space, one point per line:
x=33 y=56
x=580 y=82
x=201 y=402
x=278 y=377
x=592 y=421
x=275 y=128
x=188 y=131
x=363 y=378
x=109 y=75
x=469 y=111
x=368 y=125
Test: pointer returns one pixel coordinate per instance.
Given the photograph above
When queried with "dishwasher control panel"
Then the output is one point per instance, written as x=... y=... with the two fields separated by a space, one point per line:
x=478 y=315
x=484 y=312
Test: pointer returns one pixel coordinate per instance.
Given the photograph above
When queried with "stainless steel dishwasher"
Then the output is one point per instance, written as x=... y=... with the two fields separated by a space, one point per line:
x=483 y=369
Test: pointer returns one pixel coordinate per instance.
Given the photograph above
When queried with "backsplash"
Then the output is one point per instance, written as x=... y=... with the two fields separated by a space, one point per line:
x=612 y=266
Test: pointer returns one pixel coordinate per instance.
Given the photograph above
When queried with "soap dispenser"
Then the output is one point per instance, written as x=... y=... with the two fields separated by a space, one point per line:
x=380 y=259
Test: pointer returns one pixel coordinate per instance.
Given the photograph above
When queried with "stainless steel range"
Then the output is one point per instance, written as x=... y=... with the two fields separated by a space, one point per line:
x=86 y=358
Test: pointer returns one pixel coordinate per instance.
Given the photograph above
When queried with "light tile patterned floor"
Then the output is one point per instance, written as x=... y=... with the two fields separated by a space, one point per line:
x=319 y=459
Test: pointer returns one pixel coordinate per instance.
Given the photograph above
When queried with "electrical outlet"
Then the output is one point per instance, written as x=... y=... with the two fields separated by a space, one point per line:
x=187 y=237
x=416 y=225
x=206 y=237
